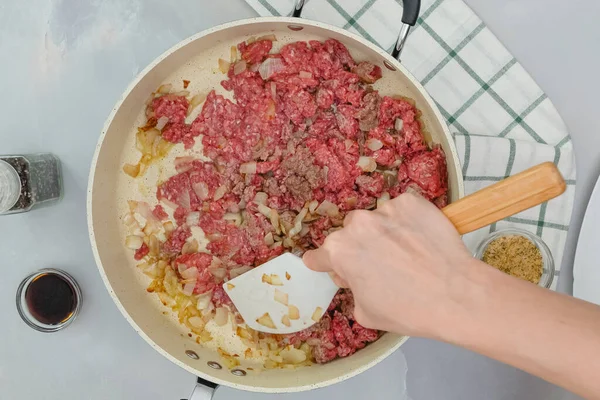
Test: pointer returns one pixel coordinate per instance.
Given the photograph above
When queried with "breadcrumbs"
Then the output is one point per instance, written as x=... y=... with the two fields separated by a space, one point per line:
x=515 y=255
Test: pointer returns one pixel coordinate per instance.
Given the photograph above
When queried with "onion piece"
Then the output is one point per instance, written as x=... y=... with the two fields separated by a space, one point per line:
x=298 y=223
x=196 y=322
x=261 y=198
x=272 y=279
x=162 y=121
x=181 y=268
x=218 y=272
x=190 y=273
x=269 y=239
x=132 y=170
x=328 y=208
x=220 y=192
x=166 y=299
x=248 y=168
x=281 y=297
x=236 y=218
x=224 y=66
x=204 y=300
x=385 y=196
x=195 y=102
x=188 y=288
x=239 y=67
x=305 y=75
x=230 y=286
x=233 y=54
x=399 y=124
x=183 y=164
x=201 y=190
x=312 y=206
x=374 y=144
x=164 y=89
x=181 y=93
x=193 y=219
x=293 y=355
x=134 y=242
x=221 y=316
x=285 y=320
x=293 y=312
x=235 y=272
x=288 y=276
x=270 y=37
x=317 y=314
x=184 y=200
x=270 y=67
x=367 y=164
x=265 y=320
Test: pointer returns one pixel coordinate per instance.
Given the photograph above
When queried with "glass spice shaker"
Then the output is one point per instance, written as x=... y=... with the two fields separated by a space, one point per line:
x=29 y=181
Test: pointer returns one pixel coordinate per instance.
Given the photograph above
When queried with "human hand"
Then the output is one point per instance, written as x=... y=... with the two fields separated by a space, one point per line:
x=404 y=262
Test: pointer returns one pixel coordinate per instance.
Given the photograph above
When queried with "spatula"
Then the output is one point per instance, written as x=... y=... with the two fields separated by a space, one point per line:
x=284 y=296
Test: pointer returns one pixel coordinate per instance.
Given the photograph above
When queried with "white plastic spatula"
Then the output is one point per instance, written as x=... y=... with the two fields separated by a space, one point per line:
x=284 y=296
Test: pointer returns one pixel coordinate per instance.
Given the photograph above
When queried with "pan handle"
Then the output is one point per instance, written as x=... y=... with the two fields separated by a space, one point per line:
x=204 y=390
x=410 y=15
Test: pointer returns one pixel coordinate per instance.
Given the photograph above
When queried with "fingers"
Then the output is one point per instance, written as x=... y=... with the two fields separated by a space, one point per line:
x=339 y=281
x=317 y=260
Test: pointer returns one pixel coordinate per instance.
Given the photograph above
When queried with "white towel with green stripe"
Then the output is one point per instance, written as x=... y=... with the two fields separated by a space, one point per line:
x=502 y=121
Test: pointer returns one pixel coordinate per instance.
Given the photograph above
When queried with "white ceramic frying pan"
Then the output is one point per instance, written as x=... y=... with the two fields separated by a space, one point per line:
x=195 y=59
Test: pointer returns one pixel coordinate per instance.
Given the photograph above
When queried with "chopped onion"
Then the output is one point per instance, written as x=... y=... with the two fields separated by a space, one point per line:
x=134 y=242
x=233 y=54
x=221 y=316
x=275 y=357
x=261 y=198
x=195 y=102
x=164 y=89
x=251 y=40
x=328 y=208
x=269 y=239
x=188 y=288
x=220 y=192
x=131 y=170
x=230 y=286
x=183 y=164
x=265 y=320
x=305 y=75
x=235 y=217
x=312 y=206
x=190 y=273
x=224 y=66
x=298 y=223
x=181 y=268
x=239 y=67
x=248 y=168
x=285 y=320
x=281 y=297
x=385 y=196
x=374 y=144
x=390 y=177
x=204 y=300
x=196 y=322
x=293 y=312
x=348 y=144
x=169 y=203
x=399 y=124
x=367 y=164
x=235 y=272
x=153 y=245
x=201 y=190
x=181 y=93
x=293 y=355
x=270 y=67
x=317 y=314
x=272 y=279
x=271 y=37
x=219 y=273
x=166 y=299
x=193 y=219
x=184 y=200
x=288 y=276
x=162 y=121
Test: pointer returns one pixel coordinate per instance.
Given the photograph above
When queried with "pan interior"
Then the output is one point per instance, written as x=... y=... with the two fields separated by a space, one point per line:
x=196 y=60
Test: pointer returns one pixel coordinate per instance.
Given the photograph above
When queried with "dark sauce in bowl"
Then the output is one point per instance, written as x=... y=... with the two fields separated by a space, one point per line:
x=51 y=299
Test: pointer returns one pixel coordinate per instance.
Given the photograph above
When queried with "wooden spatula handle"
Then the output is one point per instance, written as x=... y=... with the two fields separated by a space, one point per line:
x=505 y=198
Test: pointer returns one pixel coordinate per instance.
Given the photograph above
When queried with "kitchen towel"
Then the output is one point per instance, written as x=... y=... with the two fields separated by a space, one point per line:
x=501 y=120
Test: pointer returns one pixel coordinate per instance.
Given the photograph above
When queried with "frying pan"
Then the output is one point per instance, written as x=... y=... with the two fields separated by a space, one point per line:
x=195 y=59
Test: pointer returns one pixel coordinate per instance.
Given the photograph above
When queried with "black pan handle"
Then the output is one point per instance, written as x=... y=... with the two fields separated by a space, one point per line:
x=410 y=15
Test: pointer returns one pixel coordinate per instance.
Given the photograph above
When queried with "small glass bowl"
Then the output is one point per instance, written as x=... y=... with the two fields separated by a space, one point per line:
x=23 y=308
x=548 y=268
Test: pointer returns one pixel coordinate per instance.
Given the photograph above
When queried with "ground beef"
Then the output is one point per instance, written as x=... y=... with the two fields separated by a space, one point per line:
x=296 y=137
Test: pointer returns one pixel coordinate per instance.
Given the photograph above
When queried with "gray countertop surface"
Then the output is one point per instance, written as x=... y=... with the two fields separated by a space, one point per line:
x=64 y=63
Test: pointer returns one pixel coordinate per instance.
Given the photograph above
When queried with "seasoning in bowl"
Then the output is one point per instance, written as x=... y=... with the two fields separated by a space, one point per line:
x=515 y=255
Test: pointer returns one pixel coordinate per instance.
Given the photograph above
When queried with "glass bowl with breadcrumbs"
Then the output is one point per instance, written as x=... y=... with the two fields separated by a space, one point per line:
x=519 y=253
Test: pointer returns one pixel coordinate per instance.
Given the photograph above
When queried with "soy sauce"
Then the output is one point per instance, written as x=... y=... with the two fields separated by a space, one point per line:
x=51 y=299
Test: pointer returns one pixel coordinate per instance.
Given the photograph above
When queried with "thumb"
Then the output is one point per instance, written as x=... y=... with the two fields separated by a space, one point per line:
x=317 y=260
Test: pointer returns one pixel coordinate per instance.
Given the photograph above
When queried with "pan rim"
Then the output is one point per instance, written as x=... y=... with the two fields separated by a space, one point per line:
x=99 y=145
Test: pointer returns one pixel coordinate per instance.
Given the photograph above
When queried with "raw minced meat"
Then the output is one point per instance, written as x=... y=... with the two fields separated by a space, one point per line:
x=289 y=143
